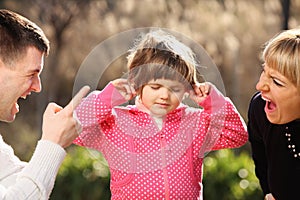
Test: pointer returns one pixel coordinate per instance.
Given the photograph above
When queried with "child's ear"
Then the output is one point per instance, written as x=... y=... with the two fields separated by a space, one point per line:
x=139 y=91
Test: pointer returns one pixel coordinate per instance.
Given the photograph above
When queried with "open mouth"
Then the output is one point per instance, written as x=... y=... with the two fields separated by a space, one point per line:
x=17 y=105
x=15 y=108
x=270 y=105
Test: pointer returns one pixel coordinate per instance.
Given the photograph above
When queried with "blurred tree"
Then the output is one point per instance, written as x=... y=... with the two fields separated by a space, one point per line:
x=58 y=15
x=231 y=31
x=285 y=4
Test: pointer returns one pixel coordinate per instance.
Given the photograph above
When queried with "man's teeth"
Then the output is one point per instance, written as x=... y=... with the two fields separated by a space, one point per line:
x=23 y=97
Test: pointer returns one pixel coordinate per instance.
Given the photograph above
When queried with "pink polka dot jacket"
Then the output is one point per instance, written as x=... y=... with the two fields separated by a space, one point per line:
x=148 y=161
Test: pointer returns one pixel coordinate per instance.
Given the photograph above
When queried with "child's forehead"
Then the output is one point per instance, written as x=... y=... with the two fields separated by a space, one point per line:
x=166 y=82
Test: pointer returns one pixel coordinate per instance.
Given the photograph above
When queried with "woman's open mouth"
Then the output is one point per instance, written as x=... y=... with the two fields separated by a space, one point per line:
x=270 y=105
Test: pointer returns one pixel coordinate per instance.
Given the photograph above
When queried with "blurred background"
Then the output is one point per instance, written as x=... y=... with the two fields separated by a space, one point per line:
x=232 y=32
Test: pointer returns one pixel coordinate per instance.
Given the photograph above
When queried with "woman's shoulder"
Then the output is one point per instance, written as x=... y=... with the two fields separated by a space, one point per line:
x=257 y=100
x=256 y=112
x=256 y=105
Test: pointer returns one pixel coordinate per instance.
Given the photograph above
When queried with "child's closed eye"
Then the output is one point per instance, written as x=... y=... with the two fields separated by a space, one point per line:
x=155 y=86
x=176 y=89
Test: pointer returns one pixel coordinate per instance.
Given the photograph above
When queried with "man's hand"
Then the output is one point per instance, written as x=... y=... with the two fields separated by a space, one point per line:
x=59 y=125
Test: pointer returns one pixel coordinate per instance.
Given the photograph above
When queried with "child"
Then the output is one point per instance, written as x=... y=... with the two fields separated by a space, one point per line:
x=155 y=148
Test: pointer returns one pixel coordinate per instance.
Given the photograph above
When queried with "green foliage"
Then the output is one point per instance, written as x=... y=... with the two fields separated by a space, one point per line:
x=84 y=174
x=230 y=176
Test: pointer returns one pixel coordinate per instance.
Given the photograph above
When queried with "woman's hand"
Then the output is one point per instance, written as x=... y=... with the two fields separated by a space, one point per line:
x=126 y=90
x=269 y=197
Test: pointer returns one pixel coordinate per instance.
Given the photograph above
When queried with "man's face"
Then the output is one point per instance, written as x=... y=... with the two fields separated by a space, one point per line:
x=18 y=81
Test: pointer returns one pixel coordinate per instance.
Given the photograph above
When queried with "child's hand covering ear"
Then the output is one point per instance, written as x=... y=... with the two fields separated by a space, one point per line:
x=200 y=92
x=123 y=86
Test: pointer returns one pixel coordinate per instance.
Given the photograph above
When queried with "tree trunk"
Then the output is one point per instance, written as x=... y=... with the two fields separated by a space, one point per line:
x=285 y=4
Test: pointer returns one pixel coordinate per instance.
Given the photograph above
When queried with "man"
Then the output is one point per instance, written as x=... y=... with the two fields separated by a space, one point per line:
x=23 y=46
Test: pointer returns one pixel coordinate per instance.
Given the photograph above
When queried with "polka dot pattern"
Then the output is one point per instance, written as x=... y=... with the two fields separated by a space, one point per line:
x=151 y=163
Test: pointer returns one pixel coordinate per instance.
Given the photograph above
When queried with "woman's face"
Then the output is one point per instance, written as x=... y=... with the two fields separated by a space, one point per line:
x=281 y=95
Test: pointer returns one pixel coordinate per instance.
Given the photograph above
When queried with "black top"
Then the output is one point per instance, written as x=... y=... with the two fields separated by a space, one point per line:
x=276 y=166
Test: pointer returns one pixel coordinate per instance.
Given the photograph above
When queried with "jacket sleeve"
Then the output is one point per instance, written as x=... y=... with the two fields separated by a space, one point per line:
x=32 y=180
x=225 y=128
x=94 y=110
x=256 y=140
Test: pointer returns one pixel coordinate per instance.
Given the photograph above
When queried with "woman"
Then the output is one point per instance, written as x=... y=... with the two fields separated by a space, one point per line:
x=274 y=113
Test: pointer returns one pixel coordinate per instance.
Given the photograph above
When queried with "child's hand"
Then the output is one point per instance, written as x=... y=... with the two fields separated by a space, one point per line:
x=126 y=90
x=200 y=92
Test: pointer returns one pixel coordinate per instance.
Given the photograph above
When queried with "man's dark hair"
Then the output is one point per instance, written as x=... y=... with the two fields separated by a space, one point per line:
x=17 y=33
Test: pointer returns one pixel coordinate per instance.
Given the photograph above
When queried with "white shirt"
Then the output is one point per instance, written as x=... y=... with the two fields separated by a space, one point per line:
x=32 y=180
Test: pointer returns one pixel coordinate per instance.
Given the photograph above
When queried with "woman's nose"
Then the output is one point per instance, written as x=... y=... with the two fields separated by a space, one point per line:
x=262 y=84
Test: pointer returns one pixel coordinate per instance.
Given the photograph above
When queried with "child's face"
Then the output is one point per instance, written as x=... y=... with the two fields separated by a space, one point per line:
x=162 y=96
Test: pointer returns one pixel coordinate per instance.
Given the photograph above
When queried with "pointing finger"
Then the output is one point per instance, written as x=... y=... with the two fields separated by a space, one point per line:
x=77 y=98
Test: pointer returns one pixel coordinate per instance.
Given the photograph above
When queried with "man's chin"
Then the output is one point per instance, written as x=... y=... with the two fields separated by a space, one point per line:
x=8 y=119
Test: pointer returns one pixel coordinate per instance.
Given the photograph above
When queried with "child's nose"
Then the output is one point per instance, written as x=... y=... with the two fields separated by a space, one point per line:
x=164 y=93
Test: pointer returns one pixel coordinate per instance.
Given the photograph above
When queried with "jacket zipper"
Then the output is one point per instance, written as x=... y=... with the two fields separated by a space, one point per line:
x=164 y=169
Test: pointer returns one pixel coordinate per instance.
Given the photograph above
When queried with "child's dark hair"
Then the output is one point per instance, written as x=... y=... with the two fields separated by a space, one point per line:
x=160 y=55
